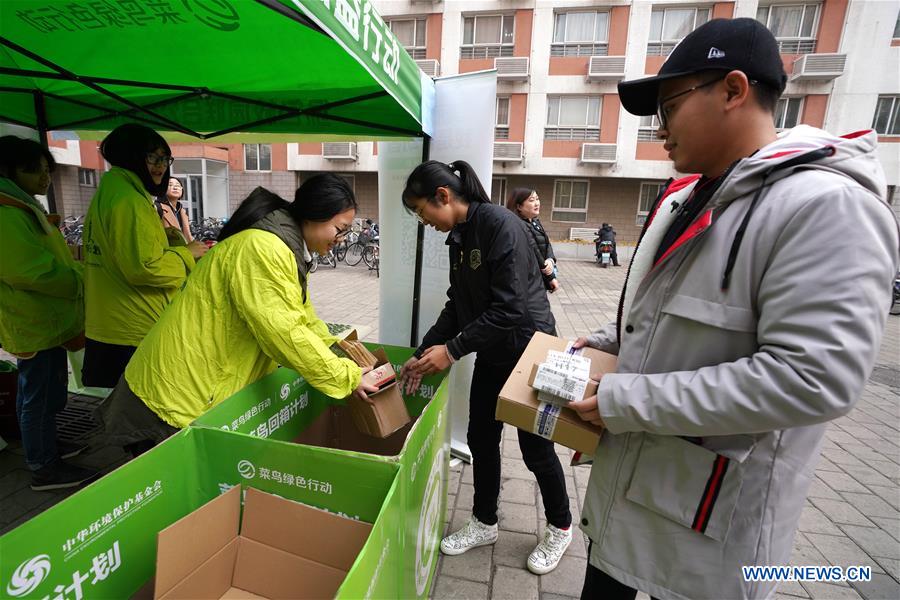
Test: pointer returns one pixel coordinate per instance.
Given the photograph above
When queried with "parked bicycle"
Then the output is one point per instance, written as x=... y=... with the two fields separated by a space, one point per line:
x=329 y=260
x=72 y=229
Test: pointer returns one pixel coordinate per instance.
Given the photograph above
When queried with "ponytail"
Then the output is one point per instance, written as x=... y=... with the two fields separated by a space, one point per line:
x=458 y=176
x=257 y=205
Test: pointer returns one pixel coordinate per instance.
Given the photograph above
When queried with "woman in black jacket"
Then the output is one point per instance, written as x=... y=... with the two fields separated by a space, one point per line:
x=496 y=302
x=526 y=203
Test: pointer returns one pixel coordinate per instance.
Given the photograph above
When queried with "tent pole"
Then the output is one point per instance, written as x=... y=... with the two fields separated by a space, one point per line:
x=417 y=282
x=40 y=112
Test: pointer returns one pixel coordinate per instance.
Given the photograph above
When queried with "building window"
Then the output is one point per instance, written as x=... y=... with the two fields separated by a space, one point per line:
x=573 y=118
x=411 y=34
x=648 y=128
x=257 y=157
x=787 y=113
x=580 y=34
x=87 y=177
x=668 y=26
x=501 y=129
x=887 y=115
x=570 y=201
x=650 y=191
x=794 y=26
x=487 y=36
x=498 y=190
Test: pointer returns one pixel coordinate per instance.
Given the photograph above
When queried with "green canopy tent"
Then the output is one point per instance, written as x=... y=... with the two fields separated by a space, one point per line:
x=221 y=70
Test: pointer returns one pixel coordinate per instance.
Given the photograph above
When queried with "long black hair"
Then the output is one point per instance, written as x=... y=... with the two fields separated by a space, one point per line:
x=320 y=198
x=127 y=147
x=22 y=154
x=459 y=176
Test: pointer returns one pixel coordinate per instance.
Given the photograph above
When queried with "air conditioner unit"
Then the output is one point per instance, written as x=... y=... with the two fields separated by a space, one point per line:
x=602 y=68
x=339 y=150
x=598 y=153
x=430 y=66
x=818 y=67
x=508 y=151
x=511 y=68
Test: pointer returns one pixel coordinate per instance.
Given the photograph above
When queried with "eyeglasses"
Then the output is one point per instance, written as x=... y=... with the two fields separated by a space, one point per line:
x=154 y=160
x=663 y=111
x=341 y=233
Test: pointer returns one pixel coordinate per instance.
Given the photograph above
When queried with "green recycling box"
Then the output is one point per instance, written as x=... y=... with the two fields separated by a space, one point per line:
x=284 y=407
x=101 y=542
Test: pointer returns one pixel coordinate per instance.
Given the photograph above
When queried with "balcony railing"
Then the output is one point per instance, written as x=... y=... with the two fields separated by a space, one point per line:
x=494 y=51
x=796 y=46
x=572 y=134
x=583 y=49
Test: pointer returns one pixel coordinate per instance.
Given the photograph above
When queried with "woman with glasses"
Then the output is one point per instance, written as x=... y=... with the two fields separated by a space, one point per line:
x=496 y=302
x=245 y=309
x=132 y=271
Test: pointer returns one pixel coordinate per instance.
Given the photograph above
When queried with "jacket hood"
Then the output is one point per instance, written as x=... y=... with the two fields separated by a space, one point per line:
x=804 y=147
x=282 y=224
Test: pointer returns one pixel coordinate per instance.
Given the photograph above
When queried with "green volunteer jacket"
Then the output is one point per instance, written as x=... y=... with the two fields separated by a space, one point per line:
x=41 y=290
x=242 y=312
x=131 y=271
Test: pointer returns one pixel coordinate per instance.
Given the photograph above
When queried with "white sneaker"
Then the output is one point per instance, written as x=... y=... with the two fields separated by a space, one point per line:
x=473 y=534
x=547 y=554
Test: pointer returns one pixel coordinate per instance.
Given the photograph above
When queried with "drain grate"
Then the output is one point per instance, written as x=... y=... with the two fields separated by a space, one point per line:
x=76 y=421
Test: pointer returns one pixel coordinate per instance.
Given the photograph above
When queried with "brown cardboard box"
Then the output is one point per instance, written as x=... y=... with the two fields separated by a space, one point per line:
x=388 y=413
x=280 y=549
x=518 y=404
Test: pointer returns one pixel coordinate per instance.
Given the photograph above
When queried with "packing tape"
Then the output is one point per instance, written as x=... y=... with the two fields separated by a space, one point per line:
x=545 y=420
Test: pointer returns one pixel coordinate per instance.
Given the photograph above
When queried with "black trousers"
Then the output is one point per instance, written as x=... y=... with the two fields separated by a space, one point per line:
x=600 y=586
x=104 y=364
x=484 y=442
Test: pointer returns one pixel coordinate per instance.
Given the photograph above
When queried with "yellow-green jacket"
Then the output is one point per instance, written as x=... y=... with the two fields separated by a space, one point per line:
x=131 y=272
x=241 y=313
x=41 y=291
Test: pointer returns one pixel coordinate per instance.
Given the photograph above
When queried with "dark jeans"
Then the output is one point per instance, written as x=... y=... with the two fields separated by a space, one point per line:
x=104 y=364
x=599 y=585
x=42 y=392
x=484 y=442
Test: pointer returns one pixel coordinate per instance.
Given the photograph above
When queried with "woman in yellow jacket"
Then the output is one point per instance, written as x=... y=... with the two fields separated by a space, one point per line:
x=245 y=309
x=131 y=270
x=41 y=310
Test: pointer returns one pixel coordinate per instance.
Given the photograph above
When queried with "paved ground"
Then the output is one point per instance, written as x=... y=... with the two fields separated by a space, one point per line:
x=852 y=516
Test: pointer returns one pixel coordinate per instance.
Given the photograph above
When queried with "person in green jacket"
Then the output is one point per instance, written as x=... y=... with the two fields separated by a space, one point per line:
x=132 y=272
x=245 y=309
x=41 y=310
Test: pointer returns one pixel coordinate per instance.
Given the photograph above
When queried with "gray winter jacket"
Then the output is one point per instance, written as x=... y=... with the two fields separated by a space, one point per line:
x=735 y=350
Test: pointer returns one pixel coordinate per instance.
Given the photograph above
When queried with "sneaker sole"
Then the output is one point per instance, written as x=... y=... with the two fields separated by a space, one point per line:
x=545 y=570
x=61 y=486
x=455 y=552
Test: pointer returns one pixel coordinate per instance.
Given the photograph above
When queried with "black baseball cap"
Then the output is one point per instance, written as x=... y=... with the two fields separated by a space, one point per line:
x=721 y=44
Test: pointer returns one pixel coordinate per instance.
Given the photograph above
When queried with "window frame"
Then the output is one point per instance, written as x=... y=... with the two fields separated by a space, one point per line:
x=504 y=186
x=587 y=199
x=576 y=133
x=582 y=47
x=893 y=115
x=475 y=49
x=93 y=177
x=798 y=44
x=647 y=133
x=665 y=46
x=646 y=184
x=415 y=51
x=258 y=160
x=501 y=130
x=787 y=100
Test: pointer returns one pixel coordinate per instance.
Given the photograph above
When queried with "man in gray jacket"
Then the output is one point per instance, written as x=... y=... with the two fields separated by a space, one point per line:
x=741 y=331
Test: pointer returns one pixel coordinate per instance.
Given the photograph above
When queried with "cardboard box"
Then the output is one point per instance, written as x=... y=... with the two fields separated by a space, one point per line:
x=519 y=406
x=279 y=549
x=388 y=414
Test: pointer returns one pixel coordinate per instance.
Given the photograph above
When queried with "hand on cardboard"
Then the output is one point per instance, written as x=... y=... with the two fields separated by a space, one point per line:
x=588 y=408
x=409 y=379
x=548 y=267
x=580 y=343
x=433 y=360
x=363 y=390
